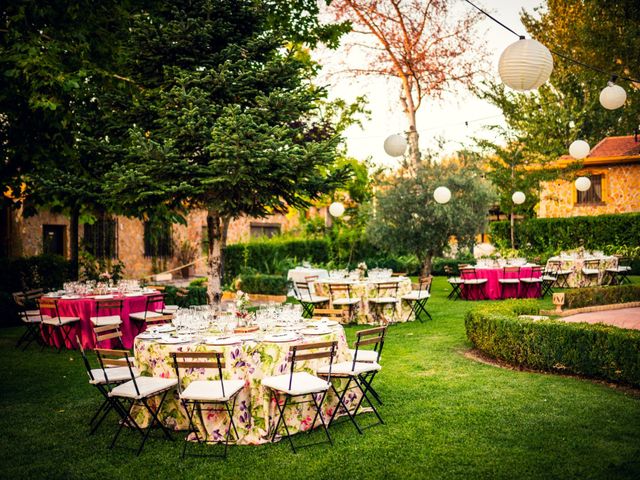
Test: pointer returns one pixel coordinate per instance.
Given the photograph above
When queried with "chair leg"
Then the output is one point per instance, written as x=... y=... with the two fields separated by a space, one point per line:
x=365 y=397
x=281 y=409
x=154 y=420
x=367 y=379
x=422 y=308
x=318 y=406
x=341 y=396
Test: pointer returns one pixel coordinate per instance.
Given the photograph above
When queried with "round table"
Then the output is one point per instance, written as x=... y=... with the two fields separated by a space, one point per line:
x=576 y=279
x=366 y=289
x=493 y=288
x=250 y=360
x=85 y=308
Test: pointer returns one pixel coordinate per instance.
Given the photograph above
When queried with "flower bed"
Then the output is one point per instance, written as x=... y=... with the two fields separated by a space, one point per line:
x=592 y=350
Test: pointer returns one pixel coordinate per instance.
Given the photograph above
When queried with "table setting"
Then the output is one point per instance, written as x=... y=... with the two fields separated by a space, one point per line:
x=575 y=260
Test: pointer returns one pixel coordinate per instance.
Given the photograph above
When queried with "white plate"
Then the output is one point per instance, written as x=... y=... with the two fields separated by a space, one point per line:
x=149 y=336
x=282 y=337
x=316 y=331
x=136 y=294
x=322 y=323
x=102 y=297
x=70 y=297
x=222 y=340
x=173 y=340
x=162 y=328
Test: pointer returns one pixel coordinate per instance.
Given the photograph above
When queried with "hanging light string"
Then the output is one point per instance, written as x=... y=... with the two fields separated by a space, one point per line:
x=613 y=77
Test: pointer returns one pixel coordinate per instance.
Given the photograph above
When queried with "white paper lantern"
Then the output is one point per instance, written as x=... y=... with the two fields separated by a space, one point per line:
x=612 y=96
x=518 y=198
x=442 y=194
x=583 y=184
x=395 y=145
x=336 y=209
x=579 y=149
x=525 y=64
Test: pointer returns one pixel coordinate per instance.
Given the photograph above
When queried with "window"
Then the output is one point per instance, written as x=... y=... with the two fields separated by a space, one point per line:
x=157 y=240
x=264 y=230
x=594 y=194
x=100 y=238
x=53 y=239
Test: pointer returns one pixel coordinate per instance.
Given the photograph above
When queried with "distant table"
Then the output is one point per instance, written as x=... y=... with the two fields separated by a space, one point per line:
x=366 y=289
x=493 y=288
x=576 y=279
x=85 y=308
x=299 y=274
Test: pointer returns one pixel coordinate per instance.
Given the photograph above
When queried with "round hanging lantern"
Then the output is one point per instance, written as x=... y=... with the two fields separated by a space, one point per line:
x=442 y=194
x=518 y=198
x=612 y=96
x=583 y=184
x=395 y=145
x=579 y=149
x=525 y=64
x=336 y=209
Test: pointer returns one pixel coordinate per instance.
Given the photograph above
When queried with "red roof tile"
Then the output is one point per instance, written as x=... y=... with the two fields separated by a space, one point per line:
x=616 y=147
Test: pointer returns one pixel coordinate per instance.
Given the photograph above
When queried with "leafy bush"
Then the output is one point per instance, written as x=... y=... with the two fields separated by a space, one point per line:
x=437 y=268
x=585 y=297
x=264 y=284
x=197 y=296
x=552 y=234
x=593 y=350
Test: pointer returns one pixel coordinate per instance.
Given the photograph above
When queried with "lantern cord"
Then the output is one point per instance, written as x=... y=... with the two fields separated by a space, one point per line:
x=561 y=55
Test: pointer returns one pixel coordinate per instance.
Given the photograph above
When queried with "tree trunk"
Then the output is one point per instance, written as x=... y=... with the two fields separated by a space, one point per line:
x=414 y=149
x=426 y=265
x=410 y=110
x=513 y=237
x=73 y=241
x=215 y=233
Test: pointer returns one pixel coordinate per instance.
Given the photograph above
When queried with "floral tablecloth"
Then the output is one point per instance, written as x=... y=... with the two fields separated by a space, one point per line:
x=576 y=279
x=85 y=308
x=366 y=289
x=255 y=414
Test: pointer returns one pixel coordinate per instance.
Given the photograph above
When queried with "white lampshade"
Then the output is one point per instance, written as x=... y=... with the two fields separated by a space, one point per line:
x=579 y=149
x=518 y=198
x=583 y=184
x=525 y=64
x=442 y=194
x=395 y=145
x=612 y=96
x=336 y=209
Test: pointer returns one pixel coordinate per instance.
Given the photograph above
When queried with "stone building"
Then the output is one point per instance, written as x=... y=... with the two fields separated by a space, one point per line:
x=131 y=240
x=613 y=167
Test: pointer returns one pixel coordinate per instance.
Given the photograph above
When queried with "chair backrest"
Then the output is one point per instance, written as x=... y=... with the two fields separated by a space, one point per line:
x=510 y=272
x=592 y=264
x=50 y=303
x=387 y=288
x=330 y=313
x=154 y=299
x=371 y=336
x=206 y=360
x=448 y=271
x=304 y=290
x=623 y=261
x=159 y=288
x=85 y=360
x=161 y=319
x=107 y=332
x=398 y=274
x=536 y=271
x=424 y=284
x=468 y=273
x=108 y=304
x=301 y=353
x=339 y=288
x=109 y=357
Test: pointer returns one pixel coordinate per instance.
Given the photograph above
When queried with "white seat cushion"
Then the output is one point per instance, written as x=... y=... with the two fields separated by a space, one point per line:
x=531 y=280
x=60 y=320
x=416 y=295
x=147 y=386
x=590 y=271
x=141 y=315
x=106 y=320
x=549 y=278
x=32 y=318
x=564 y=272
x=314 y=299
x=303 y=383
x=349 y=369
x=509 y=280
x=365 y=355
x=32 y=313
x=383 y=300
x=456 y=280
x=211 y=390
x=618 y=269
x=476 y=281
x=345 y=301
x=170 y=308
x=114 y=375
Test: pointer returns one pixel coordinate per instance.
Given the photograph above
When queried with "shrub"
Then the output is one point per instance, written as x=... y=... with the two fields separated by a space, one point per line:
x=598 y=350
x=264 y=284
x=197 y=296
x=585 y=297
x=437 y=268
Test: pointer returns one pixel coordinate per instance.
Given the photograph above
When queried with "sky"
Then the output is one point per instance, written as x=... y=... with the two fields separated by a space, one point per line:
x=445 y=118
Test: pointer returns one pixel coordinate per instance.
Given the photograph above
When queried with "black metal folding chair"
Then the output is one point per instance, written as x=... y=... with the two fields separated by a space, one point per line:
x=308 y=298
x=64 y=325
x=31 y=319
x=417 y=299
x=535 y=280
x=370 y=354
x=137 y=391
x=510 y=278
x=591 y=270
x=340 y=294
x=455 y=282
x=302 y=385
x=107 y=312
x=215 y=393
x=472 y=283
x=386 y=295
x=561 y=275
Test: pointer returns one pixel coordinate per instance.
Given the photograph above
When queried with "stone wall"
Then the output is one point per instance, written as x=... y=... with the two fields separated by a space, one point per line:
x=621 y=193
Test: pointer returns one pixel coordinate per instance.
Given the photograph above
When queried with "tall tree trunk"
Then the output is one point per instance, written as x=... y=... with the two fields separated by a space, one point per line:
x=73 y=241
x=426 y=265
x=215 y=233
x=410 y=110
x=513 y=237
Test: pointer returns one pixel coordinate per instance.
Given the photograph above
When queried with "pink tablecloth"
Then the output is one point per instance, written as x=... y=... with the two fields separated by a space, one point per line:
x=85 y=308
x=493 y=288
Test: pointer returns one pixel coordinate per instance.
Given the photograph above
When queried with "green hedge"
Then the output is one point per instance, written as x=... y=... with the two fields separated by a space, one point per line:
x=592 y=232
x=593 y=350
x=265 y=284
x=585 y=297
x=197 y=296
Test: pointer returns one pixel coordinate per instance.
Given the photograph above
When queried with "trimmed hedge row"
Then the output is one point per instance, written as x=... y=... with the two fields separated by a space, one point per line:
x=197 y=296
x=265 y=284
x=585 y=297
x=592 y=350
x=593 y=232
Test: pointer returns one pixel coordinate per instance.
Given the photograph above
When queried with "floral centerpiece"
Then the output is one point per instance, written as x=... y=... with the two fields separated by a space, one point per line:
x=362 y=269
x=242 y=305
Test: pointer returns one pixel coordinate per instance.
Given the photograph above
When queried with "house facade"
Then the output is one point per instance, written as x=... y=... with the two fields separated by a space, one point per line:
x=613 y=166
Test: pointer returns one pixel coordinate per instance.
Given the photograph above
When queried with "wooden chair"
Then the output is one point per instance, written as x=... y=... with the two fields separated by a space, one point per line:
x=472 y=282
x=340 y=296
x=152 y=312
x=31 y=319
x=535 y=280
x=106 y=307
x=336 y=314
x=417 y=298
x=455 y=282
x=510 y=277
x=386 y=295
x=562 y=275
x=591 y=270
x=57 y=323
x=308 y=298
x=107 y=332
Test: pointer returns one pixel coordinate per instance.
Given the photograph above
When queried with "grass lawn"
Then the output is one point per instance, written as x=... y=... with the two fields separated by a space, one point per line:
x=447 y=416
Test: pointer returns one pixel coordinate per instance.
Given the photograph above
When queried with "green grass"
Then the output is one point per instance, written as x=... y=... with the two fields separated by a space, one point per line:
x=447 y=416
